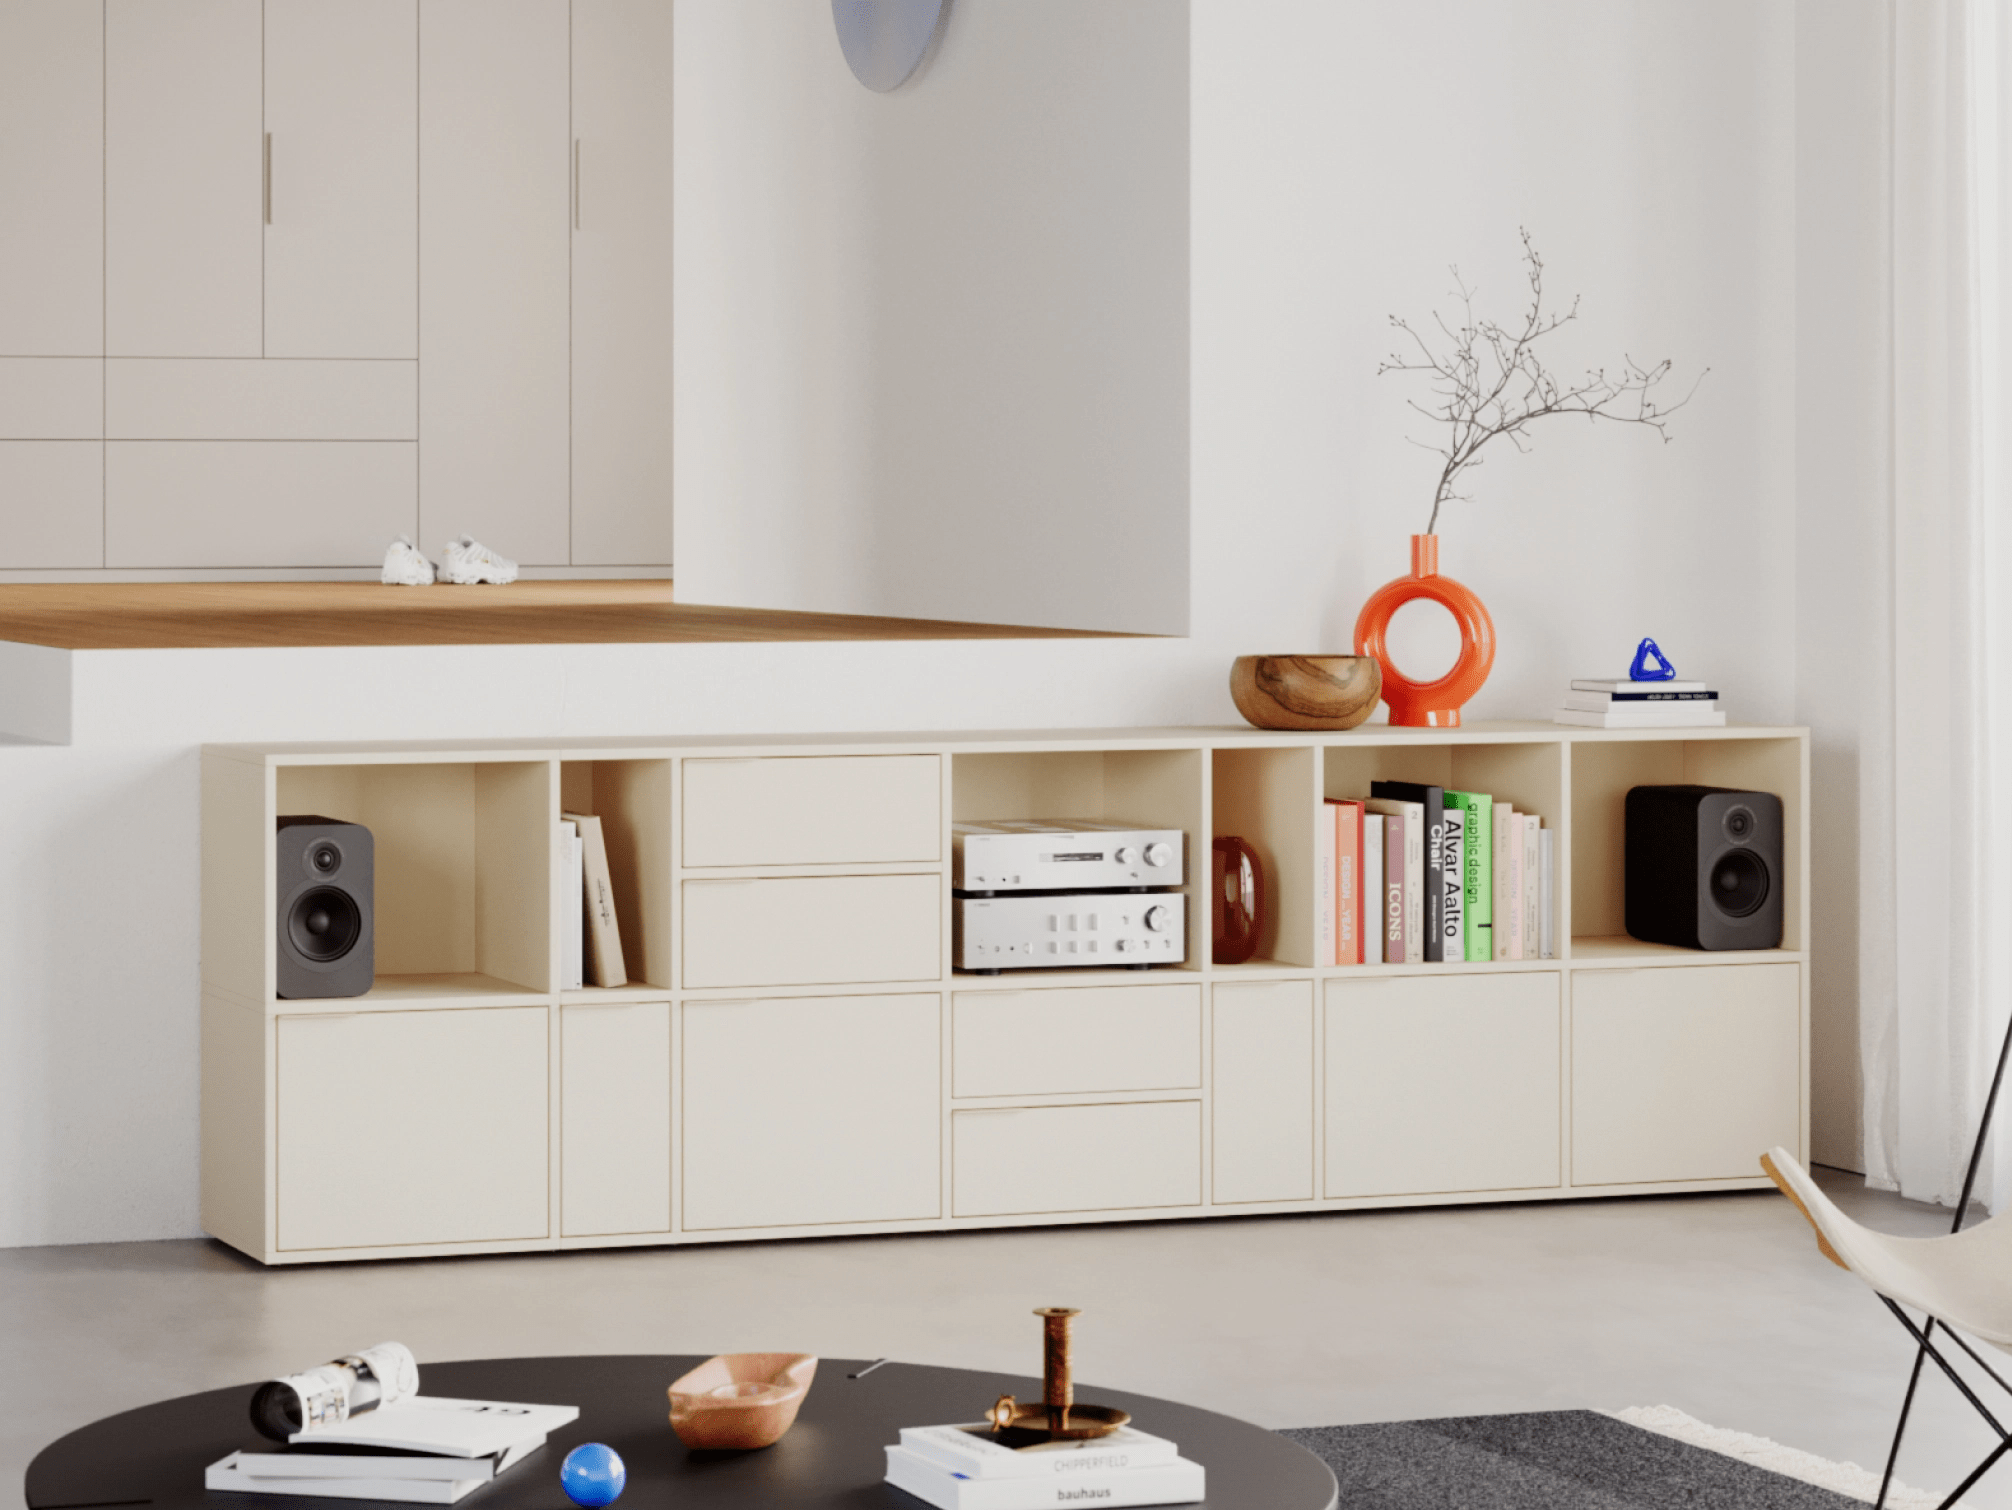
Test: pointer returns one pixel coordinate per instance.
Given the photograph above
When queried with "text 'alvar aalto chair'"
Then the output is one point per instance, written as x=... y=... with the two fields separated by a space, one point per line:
x=1962 y=1283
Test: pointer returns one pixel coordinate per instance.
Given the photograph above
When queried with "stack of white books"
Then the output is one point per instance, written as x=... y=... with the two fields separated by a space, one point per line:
x=420 y=1451
x=965 y=1467
x=1641 y=705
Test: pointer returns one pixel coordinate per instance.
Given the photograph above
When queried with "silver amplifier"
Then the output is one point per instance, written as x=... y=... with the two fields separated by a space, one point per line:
x=1064 y=854
x=1077 y=931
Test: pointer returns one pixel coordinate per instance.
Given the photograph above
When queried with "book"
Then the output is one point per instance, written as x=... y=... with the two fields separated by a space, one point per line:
x=1323 y=886
x=972 y=1450
x=228 y=1476
x=448 y=1428
x=1533 y=947
x=1597 y=702
x=1646 y=716
x=1347 y=882
x=1372 y=887
x=1179 y=1482
x=1432 y=800
x=1478 y=873
x=572 y=928
x=1453 y=888
x=1412 y=815
x=1652 y=688
x=604 y=934
x=1400 y=837
x=1547 y=881
x=1507 y=875
x=373 y=1464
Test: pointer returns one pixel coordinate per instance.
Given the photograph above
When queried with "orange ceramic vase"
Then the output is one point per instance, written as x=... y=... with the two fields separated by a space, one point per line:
x=1429 y=705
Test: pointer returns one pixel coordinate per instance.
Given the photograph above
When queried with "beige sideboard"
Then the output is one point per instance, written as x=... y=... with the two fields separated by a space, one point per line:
x=796 y=1056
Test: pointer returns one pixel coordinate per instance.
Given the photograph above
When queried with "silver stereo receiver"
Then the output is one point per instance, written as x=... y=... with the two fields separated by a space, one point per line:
x=1064 y=854
x=1100 y=929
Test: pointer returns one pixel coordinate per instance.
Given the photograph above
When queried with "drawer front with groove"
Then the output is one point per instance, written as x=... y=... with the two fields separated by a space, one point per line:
x=1099 y=1038
x=1116 y=1157
x=814 y=810
x=813 y=930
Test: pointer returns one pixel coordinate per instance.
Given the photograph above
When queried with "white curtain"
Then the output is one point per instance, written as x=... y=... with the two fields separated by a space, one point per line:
x=1936 y=757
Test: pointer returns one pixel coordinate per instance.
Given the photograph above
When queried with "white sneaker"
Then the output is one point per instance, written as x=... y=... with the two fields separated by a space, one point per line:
x=405 y=565
x=468 y=560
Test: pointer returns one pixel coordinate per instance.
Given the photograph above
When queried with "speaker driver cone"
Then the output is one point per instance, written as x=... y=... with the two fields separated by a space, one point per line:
x=1739 y=883
x=324 y=924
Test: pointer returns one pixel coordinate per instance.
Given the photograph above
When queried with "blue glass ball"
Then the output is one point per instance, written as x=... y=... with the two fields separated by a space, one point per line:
x=593 y=1475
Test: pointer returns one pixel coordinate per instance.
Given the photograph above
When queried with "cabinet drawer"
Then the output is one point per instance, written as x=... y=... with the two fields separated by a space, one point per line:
x=841 y=810
x=1102 y=1038
x=813 y=930
x=1442 y=1085
x=1117 y=1157
x=258 y=400
x=1684 y=1073
x=413 y=1127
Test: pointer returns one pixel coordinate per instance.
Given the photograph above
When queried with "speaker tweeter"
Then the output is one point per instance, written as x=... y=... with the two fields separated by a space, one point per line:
x=326 y=936
x=1704 y=867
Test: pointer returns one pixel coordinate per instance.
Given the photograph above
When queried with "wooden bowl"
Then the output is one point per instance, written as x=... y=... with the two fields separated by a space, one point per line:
x=741 y=1400
x=1306 y=691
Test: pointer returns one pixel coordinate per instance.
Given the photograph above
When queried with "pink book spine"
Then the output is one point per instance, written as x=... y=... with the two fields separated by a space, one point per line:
x=1393 y=888
x=1348 y=887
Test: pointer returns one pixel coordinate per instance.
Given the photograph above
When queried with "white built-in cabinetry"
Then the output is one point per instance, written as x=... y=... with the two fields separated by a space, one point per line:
x=225 y=343
x=795 y=1056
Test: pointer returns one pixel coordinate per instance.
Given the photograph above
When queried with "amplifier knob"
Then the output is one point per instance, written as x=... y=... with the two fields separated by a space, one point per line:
x=1158 y=854
x=1156 y=919
x=1122 y=854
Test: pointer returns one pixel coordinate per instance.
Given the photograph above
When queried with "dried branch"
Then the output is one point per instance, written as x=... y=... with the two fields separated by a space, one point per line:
x=1490 y=383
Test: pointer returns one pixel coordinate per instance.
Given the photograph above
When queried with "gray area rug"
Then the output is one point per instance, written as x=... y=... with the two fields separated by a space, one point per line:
x=1546 y=1460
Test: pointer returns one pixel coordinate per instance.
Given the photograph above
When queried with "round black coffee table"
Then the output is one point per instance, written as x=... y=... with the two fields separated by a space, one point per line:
x=155 y=1456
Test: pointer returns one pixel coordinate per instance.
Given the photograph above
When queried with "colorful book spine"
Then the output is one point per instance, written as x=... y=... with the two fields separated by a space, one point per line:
x=1508 y=882
x=1323 y=886
x=1397 y=838
x=1432 y=845
x=1547 y=866
x=1347 y=882
x=1533 y=941
x=1372 y=888
x=1453 y=887
x=1478 y=869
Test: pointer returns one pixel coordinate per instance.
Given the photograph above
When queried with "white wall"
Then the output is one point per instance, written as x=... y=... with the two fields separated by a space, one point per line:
x=1342 y=155
x=932 y=345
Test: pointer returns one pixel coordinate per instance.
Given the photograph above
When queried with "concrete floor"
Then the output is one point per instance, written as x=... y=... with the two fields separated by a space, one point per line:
x=1718 y=1305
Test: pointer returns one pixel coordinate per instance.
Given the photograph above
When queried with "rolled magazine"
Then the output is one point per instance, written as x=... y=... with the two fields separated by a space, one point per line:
x=331 y=1394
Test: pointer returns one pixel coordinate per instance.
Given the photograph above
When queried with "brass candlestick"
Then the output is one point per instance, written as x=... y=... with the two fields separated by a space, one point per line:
x=1058 y=1417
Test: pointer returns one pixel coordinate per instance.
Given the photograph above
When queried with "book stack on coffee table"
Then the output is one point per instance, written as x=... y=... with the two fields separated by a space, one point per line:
x=965 y=1467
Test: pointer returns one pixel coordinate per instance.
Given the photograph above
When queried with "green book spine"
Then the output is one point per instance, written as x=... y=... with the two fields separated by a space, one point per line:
x=1478 y=808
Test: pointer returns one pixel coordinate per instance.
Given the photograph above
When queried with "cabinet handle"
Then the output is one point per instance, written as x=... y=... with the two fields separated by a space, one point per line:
x=266 y=191
x=576 y=183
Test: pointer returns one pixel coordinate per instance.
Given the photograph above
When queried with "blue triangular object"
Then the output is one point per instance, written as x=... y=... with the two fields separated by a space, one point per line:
x=1650 y=664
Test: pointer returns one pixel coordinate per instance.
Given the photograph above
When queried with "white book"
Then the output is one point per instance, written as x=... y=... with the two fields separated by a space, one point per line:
x=1596 y=685
x=573 y=925
x=1453 y=884
x=228 y=1476
x=603 y=946
x=1323 y=879
x=1177 y=1483
x=1372 y=888
x=1505 y=911
x=1533 y=945
x=1600 y=702
x=1654 y=716
x=1413 y=814
x=290 y=1463
x=1547 y=885
x=971 y=1449
x=452 y=1428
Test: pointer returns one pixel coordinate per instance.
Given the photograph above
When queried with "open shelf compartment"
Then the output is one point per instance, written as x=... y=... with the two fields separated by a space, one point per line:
x=463 y=866
x=632 y=798
x=1151 y=788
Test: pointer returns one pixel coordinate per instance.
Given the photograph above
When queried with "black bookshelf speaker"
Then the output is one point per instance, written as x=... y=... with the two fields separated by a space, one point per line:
x=325 y=915
x=1704 y=867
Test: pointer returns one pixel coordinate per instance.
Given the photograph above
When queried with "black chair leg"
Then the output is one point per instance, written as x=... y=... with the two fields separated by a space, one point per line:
x=1900 y=1428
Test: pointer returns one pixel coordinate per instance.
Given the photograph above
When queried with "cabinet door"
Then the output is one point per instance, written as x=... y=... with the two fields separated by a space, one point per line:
x=52 y=178
x=1684 y=1073
x=621 y=283
x=342 y=225
x=52 y=503
x=184 y=173
x=412 y=1127
x=494 y=144
x=615 y=1118
x=810 y=1111
x=1437 y=1085
x=1261 y=1144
